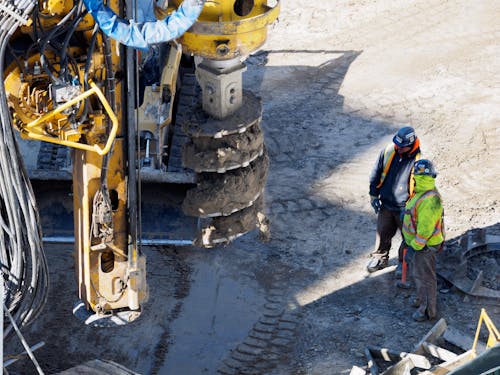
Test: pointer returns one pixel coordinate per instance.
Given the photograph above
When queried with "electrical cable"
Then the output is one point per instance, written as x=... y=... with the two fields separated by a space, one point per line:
x=22 y=260
x=86 y=86
x=64 y=49
x=110 y=96
x=49 y=40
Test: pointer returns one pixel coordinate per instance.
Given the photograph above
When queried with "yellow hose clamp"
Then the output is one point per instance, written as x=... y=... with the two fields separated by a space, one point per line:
x=30 y=129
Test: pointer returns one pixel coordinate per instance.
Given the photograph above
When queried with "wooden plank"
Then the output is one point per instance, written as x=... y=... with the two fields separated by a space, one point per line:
x=98 y=367
x=431 y=336
x=446 y=367
x=438 y=352
x=420 y=361
x=355 y=370
x=393 y=356
x=386 y=354
x=372 y=366
x=403 y=367
x=462 y=340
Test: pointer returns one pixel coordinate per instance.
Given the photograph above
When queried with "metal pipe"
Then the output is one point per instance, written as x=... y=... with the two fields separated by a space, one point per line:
x=130 y=124
x=166 y=242
x=10 y=361
x=23 y=341
x=144 y=241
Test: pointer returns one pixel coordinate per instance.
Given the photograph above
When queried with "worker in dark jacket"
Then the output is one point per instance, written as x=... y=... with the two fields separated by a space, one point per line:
x=424 y=235
x=390 y=187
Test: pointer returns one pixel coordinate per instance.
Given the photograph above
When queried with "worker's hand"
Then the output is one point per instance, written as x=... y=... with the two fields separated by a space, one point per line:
x=410 y=254
x=375 y=202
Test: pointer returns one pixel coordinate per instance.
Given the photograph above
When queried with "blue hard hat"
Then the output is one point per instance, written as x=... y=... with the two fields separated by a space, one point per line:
x=424 y=167
x=405 y=137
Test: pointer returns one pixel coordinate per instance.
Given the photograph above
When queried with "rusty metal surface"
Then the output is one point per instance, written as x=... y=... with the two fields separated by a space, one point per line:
x=454 y=264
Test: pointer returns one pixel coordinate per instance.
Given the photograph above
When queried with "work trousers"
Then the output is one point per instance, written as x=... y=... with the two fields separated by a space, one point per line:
x=424 y=276
x=388 y=223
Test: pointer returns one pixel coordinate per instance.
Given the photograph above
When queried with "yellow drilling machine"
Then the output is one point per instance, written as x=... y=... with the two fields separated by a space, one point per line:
x=138 y=108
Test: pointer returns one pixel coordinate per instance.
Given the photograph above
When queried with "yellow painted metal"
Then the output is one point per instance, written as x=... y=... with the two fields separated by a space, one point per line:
x=169 y=78
x=28 y=92
x=35 y=129
x=111 y=275
x=123 y=285
x=52 y=11
x=155 y=113
x=104 y=291
x=151 y=115
x=493 y=336
x=149 y=110
x=35 y=114
x=57 y=7
x=221 y=34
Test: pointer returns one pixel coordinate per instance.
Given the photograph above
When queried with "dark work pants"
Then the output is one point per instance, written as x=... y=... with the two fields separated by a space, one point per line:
x=388 y=223
x=424 y=275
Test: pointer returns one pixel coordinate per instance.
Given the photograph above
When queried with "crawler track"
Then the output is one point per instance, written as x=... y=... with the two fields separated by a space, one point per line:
x=272 y=337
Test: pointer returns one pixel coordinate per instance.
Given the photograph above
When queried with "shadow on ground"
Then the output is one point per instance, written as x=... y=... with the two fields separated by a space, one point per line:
x=318 y=236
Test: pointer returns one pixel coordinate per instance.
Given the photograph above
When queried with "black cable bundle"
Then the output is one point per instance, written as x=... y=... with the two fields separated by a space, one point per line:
x=22 y=260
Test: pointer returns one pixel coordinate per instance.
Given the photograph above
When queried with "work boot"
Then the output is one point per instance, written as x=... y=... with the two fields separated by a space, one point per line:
x=418 y=316
x=415 y=303
x=376 y=264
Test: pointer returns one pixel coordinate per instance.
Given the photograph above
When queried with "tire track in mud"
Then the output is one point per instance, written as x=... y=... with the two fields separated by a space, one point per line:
x=181 y=285
x=301 y=205
x=319 y=101
x=270 y=341
x=419 y=108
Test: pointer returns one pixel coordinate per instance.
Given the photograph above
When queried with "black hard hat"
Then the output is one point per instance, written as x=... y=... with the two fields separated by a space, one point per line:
x=405 y=137
x=424 y=167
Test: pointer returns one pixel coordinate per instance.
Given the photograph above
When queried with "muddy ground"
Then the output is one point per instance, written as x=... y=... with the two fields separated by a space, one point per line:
x=337 y=79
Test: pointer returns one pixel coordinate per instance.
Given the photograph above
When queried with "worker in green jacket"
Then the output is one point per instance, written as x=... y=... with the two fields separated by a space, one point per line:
x=424 y=236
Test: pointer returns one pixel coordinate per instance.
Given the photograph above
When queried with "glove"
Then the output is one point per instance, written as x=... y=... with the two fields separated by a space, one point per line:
x=376 y=204
x=410 y=254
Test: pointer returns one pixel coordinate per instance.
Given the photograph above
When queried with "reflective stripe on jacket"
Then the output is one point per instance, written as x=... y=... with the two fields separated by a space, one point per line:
x=389 y=153
x=391 y=177
x=422 y=222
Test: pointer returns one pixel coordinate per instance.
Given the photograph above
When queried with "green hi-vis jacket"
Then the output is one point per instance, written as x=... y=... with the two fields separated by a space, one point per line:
x=423 y=222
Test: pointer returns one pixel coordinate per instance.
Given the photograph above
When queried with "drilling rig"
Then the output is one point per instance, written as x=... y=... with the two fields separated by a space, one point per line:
x=126 y=93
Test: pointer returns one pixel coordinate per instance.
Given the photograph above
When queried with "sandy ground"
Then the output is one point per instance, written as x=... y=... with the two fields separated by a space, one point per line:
x=337 y=79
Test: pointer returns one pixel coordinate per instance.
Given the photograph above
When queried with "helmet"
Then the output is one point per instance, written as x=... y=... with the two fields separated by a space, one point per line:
x=405 y=137
x=424 y=167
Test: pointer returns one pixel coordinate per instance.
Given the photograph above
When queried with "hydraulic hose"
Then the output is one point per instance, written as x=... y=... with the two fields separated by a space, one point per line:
x=22 y=260
x=142 y=35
